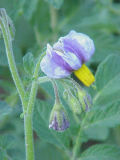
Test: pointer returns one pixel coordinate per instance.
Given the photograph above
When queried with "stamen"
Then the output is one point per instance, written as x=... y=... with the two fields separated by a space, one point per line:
x=85 y=75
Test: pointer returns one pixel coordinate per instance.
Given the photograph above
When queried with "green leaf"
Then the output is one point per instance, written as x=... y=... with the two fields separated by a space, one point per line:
x=52 y=151
x=101 y=152
x=11 y=8
x=56 y=3
x=4 y=109
x=48 y=90
x=2 y=155
x=28 y=8
x=108 y=81
x=106 y=104
x=108 y=2
x=97 y=133
x=6 y=141
x=29 y=63
x=105 y=45
x=9 y=147
x=103 y=117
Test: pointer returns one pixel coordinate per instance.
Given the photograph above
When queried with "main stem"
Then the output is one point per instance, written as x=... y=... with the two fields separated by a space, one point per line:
x=29 y=146
x=28 y=116
x=28 y=124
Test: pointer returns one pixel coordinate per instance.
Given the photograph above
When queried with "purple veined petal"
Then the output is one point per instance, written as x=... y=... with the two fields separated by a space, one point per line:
x=54 y=123
x=71 y=51
x=58 y=59
x=71 y=59
x=59 y=126
x=74 y=47
x=59 y=46
x=78 y=43
x=65 y=123
x=51 y=68
x=85 y=42
x=69 y=55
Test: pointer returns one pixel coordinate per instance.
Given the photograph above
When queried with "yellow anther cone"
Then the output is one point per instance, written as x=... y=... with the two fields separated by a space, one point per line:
x=85 y=75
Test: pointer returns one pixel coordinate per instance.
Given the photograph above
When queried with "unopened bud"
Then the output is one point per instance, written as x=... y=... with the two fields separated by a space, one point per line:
x=58 y=118
x=84 y=98
x=72 y=101
x=77 y=98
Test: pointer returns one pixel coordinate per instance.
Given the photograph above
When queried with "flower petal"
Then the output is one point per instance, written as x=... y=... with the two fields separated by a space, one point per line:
x=50 y=66
x=78 y=43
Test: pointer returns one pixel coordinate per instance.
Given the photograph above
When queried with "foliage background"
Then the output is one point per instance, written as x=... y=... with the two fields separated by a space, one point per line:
x=38 y=22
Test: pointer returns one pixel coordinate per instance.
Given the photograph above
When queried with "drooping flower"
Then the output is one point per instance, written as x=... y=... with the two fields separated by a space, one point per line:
x=69 y=55
x=58 y=118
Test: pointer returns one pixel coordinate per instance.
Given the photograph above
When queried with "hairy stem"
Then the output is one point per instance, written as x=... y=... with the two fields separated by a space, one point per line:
x=57 y=99
x=28 y=137
x=28 y=124
x=11 y=60
x=28 y=116
x=43 y=79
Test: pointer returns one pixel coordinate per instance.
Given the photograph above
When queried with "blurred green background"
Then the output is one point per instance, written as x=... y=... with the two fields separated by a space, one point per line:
x=38 y=22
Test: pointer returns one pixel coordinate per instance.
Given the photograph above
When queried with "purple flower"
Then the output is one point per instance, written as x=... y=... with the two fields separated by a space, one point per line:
x=58 y=118
x=67 y=55
x=59 y=122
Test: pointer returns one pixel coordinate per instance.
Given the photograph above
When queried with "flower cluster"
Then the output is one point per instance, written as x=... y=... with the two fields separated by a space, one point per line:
x=66 y=56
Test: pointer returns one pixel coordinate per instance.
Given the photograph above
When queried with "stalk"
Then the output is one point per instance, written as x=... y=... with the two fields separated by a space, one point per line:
x=29 y=114
x=10 y=57
x=27 y=106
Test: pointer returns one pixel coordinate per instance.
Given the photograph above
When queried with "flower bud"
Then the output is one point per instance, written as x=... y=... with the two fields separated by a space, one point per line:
x=84 y=98
x=77 y=98
x=58 y=118
x=73 y=102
